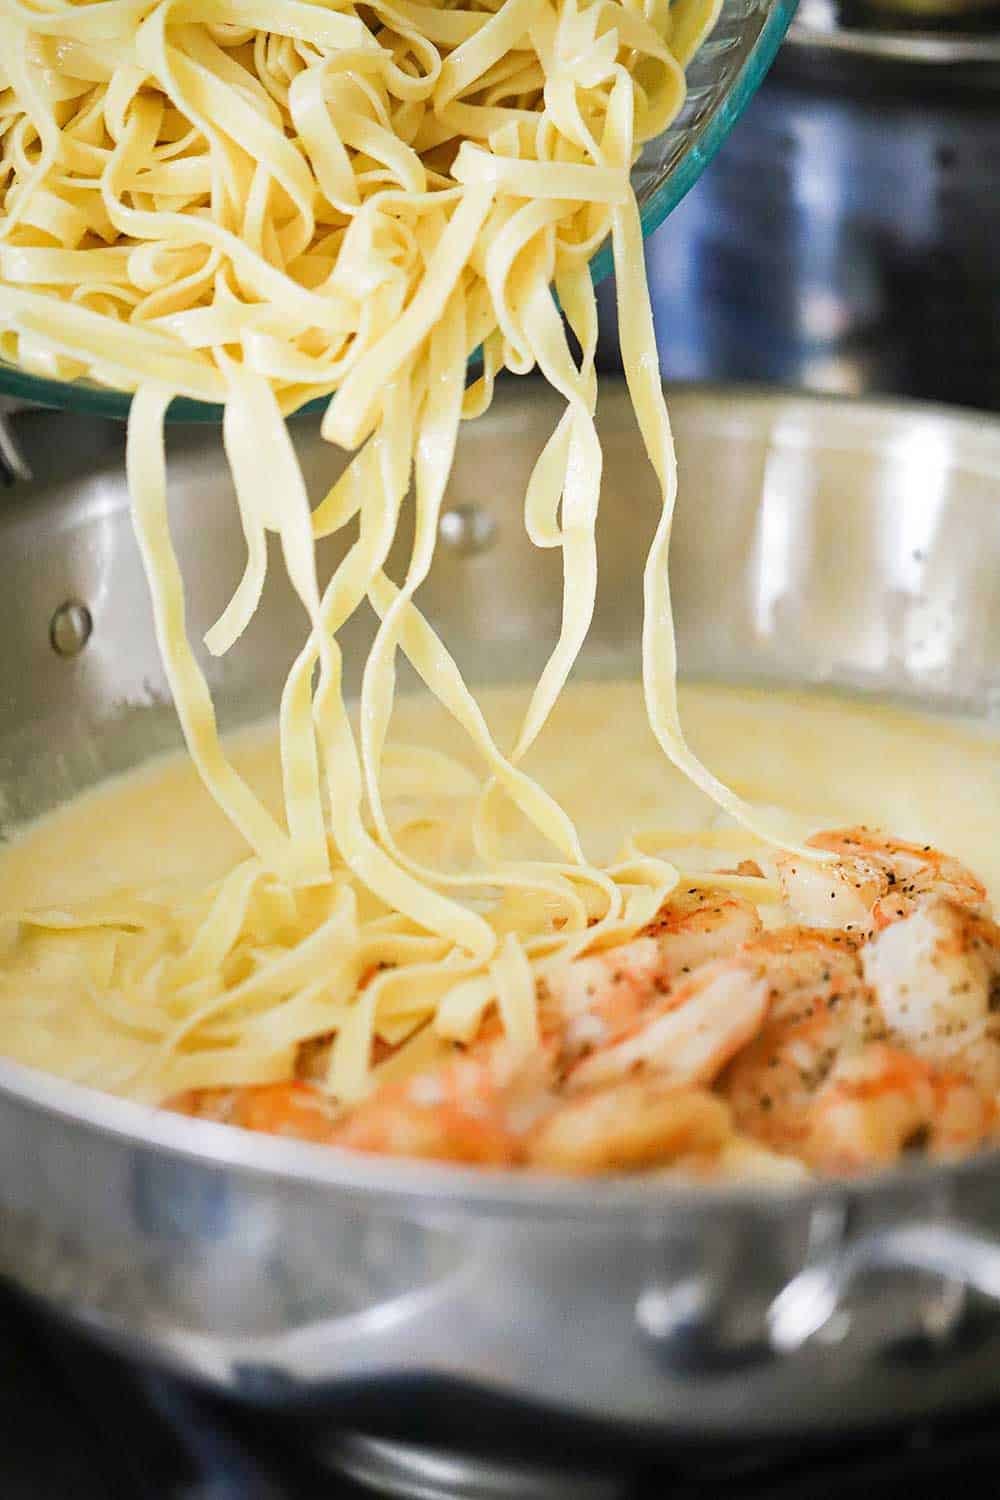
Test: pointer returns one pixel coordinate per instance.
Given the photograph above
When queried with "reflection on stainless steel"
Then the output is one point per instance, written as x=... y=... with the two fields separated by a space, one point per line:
x=274 y=1269
x=12 y=461
x=420 y=1473
x=845 y=239
x=812 y=1298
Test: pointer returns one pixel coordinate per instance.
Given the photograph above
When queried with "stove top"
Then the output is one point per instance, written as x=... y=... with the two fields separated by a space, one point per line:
x=79 y=1422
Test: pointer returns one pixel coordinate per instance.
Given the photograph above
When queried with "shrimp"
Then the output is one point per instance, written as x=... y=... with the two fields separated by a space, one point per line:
x=688 y=1036
x=484 y=1105
x=937 y=977
x=475 y=1108
x=831 y=1076
x=699 y=923
x=600 y=995
x=738 y=1159
x=880 y=1102
x=817 y=1001
x=290 y=1109
x=875 y=881
x=490 y=1104
x=627 y=1127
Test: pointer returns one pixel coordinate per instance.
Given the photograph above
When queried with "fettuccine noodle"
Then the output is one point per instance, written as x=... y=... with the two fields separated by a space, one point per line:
x=264 y=202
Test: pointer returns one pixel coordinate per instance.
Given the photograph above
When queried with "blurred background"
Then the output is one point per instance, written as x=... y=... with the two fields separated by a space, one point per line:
x=847 y=238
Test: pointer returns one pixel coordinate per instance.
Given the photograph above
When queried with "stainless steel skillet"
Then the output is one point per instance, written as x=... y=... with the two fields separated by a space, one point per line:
x=817 y=541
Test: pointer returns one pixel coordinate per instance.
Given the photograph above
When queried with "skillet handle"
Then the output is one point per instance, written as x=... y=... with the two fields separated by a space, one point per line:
x=944 y=1249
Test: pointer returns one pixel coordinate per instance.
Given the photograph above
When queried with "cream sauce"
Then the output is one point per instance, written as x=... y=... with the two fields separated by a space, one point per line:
x=828 y=759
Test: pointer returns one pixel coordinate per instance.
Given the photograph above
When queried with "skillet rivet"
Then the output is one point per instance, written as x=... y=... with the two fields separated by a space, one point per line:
x=70 y=628
x=663 y=1311
x=467 y=529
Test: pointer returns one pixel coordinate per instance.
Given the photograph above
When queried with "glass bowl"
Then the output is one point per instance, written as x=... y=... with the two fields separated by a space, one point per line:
x=722 y=77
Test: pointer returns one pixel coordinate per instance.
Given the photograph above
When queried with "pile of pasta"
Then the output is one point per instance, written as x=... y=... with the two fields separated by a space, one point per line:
x=263 y=202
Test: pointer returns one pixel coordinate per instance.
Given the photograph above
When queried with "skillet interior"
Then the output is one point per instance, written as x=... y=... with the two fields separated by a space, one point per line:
x=817 y=542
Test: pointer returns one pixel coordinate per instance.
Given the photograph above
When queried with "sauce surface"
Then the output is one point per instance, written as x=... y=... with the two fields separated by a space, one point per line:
x=828 y=759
